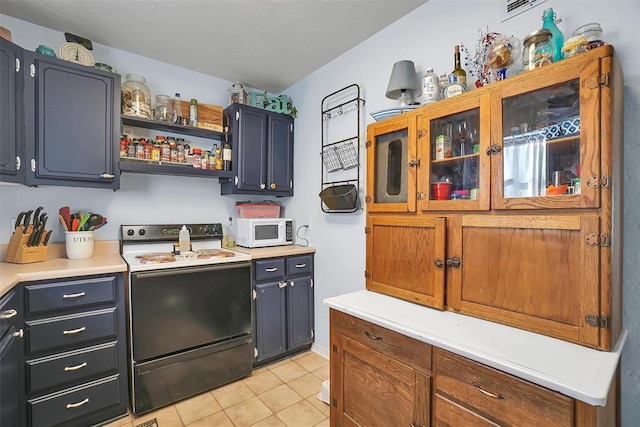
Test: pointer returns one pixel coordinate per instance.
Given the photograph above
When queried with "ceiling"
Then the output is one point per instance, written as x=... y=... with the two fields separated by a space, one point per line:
x=265 y=44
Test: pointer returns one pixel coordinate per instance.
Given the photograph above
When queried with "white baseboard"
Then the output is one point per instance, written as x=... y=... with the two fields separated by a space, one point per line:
x=320 y=351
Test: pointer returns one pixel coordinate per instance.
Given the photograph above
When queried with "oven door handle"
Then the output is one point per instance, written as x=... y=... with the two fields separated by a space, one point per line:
x=187 y=270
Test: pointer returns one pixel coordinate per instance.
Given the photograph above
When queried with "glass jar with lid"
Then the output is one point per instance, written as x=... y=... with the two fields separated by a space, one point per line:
x=136 y=97
x=163 y=110
x=538 y=49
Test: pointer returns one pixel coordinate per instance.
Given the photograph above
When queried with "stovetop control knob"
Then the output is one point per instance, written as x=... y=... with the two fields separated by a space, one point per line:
x=130 y=232
x=141 y=232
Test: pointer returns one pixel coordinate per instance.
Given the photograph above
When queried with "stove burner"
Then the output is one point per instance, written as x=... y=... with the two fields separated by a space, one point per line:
x=156 y=258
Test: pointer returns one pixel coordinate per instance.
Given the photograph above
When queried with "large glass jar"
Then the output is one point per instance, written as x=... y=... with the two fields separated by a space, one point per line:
x=163 y=110
x=538 y=49
x=136 y=97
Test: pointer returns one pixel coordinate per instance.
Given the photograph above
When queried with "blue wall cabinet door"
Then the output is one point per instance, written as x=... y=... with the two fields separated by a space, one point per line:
x=299 y=312
x=12 y=164
x=271 y=334
x=280 y=160
x=72 y=125
x=262 y=144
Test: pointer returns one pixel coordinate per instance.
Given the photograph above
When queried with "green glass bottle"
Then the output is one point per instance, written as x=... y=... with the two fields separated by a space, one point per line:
x=549 y=23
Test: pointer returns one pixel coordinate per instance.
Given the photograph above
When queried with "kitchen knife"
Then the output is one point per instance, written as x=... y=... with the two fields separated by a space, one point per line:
x=20 y=218
x=43 y=220
x=46 y=238
x=32 y=238
x=36 y=215
x=27 y=220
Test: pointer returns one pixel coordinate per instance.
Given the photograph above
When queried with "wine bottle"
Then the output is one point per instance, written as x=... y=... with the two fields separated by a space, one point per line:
x=226 y=156
x=461 y=75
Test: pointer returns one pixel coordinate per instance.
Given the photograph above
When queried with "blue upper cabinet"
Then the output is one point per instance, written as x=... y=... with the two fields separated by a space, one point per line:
x=72 y=124
x=262 y=143
x=12 y=164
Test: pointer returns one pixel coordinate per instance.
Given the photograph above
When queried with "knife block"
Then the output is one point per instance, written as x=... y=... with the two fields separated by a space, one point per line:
x=18 y=252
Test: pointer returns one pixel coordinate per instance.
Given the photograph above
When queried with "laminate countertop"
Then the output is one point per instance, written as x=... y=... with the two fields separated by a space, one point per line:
x=106 y=259
x=573 y=370
x=276 y=251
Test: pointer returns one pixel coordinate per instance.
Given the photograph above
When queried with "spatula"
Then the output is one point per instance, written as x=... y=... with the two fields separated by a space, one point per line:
x=65 y=213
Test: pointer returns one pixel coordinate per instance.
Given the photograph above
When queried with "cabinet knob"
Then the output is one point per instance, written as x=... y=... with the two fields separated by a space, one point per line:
x=414 y=163
x=453 y=262
x=18 y=163
x=273 y=185
x=494 y=149
x=282 y=285
x=262 y=186
x=107 y=176
x=19 y=333
x=438 y=263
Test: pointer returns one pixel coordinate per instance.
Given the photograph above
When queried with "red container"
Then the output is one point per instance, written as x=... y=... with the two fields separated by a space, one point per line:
x=258 y=210
x=440 y=190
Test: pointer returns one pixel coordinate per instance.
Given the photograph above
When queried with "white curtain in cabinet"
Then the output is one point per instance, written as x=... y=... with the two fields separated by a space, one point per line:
x=525 y=165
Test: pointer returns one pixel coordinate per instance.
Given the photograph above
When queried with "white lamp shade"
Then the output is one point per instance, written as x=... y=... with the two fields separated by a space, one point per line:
x=403 y=78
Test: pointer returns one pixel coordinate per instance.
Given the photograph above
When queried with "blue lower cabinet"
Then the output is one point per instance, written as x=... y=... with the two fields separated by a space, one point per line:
x=283 y=320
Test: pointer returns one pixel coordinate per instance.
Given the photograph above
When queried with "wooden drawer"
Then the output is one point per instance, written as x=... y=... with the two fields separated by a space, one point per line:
x=449 y=414
x=70 y=330
x=299 y=265
x=407 y=350
x=9 y=311
x=72 y=367
x=498 y=396
x=70 y=294
x=269 y=269
x=60 y=408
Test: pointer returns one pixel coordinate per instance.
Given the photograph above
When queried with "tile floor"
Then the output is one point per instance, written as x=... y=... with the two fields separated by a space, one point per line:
x=279 y=394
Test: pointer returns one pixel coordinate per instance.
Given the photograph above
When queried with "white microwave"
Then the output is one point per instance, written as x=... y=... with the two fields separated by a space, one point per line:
x=261 y=232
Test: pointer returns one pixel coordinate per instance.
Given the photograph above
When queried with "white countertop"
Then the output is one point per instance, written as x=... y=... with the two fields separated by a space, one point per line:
x=573 y=370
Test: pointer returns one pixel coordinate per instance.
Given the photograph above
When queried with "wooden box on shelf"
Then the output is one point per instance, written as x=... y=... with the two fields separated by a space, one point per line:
x=209 y=116
x=17 y=250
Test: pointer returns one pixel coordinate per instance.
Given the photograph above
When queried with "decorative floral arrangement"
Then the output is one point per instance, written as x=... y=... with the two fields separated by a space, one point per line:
x=494 y=54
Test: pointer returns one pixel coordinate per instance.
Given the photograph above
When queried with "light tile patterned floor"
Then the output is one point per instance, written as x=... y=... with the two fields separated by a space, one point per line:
x=282 y=394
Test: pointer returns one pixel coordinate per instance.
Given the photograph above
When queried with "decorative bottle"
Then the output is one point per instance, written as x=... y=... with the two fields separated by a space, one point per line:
x=461 y=75
x=549 y=23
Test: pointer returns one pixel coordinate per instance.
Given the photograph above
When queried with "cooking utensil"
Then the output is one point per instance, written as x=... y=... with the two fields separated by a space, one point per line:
x=93 y=221
x=83 y=221
x=103 y=223
x=75 y=222
x=64 y=223
x=65 y=213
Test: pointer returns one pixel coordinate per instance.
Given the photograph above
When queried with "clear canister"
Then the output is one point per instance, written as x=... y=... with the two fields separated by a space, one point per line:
x=136 y=97
x=538 y=49
x=163 y=110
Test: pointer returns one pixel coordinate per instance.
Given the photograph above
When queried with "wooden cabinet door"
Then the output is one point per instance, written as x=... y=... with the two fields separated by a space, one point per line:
x=280 y=155
x=72 y=124
x=392 y=165
x=539 y=273
x=371 y=389
x=299 y=312
x=547 y=131
x=271 y=325
x=405 y=258
x=12 y=156
x=464 y=123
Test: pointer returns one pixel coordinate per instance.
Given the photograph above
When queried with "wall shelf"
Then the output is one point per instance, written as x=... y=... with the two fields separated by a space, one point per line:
x=171 y=127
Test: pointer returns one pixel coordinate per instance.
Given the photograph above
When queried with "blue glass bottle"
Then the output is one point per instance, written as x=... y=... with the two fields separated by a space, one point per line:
x=548 y=22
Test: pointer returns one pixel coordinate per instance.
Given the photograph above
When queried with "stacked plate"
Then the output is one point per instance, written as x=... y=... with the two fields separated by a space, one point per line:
x=390 y=112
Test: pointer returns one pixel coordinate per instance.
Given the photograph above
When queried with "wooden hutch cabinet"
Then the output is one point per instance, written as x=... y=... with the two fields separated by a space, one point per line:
x=505 y=202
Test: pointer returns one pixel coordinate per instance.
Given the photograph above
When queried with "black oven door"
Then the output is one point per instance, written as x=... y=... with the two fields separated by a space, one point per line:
x=173 y=310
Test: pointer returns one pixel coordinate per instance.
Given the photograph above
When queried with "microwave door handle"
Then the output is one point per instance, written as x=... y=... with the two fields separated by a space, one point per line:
x=187 y=270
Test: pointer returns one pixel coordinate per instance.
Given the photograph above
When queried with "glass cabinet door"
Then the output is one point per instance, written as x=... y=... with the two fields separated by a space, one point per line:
x=550 y=145
x=455 y=173
x=391 y=186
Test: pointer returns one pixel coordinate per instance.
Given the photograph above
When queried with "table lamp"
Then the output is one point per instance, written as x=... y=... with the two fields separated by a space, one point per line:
x=403 y=82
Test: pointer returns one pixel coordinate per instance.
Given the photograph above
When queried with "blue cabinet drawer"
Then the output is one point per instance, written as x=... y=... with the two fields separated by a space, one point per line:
x=72 y=367
x=70 y=330
x=62 y=408
x=269 y=269
x=298 y=265
x=70 y=294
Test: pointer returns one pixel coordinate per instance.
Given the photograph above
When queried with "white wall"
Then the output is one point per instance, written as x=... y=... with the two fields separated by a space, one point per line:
x=427 y=37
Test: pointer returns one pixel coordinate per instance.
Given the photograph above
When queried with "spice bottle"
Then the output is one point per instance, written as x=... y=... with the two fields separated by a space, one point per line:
x=193 y=112
x=217 y=155
x=197 y=158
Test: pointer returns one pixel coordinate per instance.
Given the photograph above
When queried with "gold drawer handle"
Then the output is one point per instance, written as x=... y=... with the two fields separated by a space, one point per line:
x=75 y=368
x=75 y=405
x=373 y=337
x=74 y=331
x=78 y=295
x=488 y=393
x=8 y=314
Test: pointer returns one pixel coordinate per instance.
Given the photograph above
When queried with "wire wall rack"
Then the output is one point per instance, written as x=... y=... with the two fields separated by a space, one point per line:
x=340 y=167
